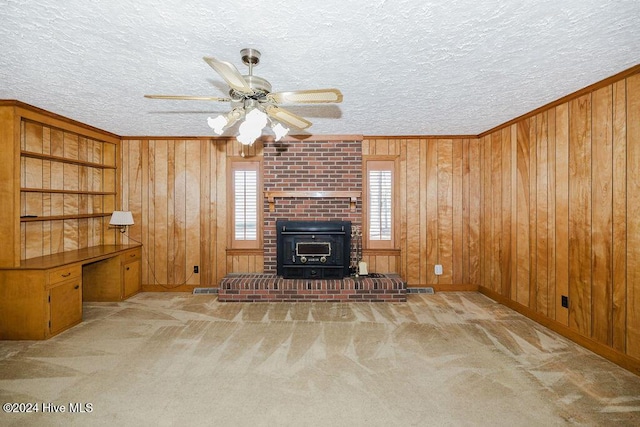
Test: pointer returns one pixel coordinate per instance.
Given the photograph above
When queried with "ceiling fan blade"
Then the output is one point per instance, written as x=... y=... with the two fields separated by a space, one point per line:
x=189 y=98
x=230 y=74
x=287 y=117
x=315 y=96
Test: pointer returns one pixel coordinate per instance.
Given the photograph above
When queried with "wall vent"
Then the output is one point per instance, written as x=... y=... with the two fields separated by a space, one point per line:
x=428 y=290
x=205 y=290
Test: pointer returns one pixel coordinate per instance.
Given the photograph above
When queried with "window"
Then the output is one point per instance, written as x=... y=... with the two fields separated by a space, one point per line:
x=380 y=203
x=245 y=203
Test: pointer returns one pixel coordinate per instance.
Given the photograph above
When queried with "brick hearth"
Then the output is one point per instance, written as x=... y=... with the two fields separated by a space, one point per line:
x=254 y=287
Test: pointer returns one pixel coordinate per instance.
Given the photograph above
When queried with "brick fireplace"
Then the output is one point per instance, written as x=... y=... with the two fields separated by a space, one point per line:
x=332 y=171
x=303 y=166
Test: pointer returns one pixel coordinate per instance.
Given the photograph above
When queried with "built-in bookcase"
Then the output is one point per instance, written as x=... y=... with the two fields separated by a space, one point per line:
x=67 y=189
x=59 y=183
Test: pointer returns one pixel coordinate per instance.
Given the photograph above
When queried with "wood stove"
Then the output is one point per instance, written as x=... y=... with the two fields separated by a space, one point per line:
x=313 y=249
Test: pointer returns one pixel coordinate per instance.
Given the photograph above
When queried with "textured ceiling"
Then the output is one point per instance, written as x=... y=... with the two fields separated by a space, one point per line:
x=405 y=67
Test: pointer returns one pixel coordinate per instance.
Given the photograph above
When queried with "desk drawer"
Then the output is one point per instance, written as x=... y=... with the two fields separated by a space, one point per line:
x=130 y=256
x=65 y=273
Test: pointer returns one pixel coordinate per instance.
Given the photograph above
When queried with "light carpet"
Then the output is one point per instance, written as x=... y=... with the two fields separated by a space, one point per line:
x=449 y=359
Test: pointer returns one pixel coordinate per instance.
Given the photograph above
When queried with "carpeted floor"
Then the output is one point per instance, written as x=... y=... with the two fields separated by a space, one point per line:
x=181 y=359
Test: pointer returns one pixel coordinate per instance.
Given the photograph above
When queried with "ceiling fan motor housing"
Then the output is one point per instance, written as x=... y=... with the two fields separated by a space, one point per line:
x=250 y=56
x=260 y=86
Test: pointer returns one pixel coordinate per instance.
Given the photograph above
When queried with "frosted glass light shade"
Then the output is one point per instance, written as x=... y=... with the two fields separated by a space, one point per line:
x=251 y=128
x=280 y=131
x=217 y=124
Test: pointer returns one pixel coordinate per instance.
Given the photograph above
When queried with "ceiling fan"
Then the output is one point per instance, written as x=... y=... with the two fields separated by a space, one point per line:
x=251 y=98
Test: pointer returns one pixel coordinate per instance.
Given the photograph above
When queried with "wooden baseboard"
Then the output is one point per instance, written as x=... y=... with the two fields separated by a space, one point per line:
x=623 y=360
x=169 y=288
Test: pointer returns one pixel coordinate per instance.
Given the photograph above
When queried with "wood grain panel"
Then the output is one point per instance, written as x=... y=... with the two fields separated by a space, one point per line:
x=366 y=150
x=513 y=229
x=426 y=244
x=219 y=209
x=403 y=194
x=191 y=206
x=180 y=227
x=580 y=214
x=633 y=224
x=551 y=212
x=619 y=190
x=602 y=215
x=523 y=257
x=382 y=147
x=506 y=257
x=413 y=212
x=543 y=298
x=32 y=138
x=432 y=235
x=445 y=210
x=486 y=211
x=171 y=249
x=495 y=193
x=466 y=217
x=533 y=223
x=70 y=146
x=145 y=213
x=562 y=211
x=474 y=211
x=457 y=206
x=204 y=184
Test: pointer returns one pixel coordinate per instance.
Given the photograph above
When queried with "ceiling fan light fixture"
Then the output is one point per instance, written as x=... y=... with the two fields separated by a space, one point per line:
x=224 y=121
x=251 y=128
x=280 y=131
x=218 y=124
x=252 y=99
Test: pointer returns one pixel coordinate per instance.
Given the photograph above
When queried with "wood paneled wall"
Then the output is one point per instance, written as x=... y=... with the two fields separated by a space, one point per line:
x=176 y=190
x=439 y=210
x=559 y=203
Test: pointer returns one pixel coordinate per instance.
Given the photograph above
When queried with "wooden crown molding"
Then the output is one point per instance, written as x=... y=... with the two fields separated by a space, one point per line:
x=28 y=111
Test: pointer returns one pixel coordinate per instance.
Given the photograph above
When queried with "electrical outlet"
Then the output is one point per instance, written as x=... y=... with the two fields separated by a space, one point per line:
x=565 y=301
x=438 y=270
x=196 y=269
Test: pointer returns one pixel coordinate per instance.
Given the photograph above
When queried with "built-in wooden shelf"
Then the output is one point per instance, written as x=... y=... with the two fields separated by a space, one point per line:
x=62 y=217
x=351 y=195
x=60 y=159
x=47 y=190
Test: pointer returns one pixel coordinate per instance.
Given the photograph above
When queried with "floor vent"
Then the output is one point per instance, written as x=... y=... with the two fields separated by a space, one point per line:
x=429 y=290
x=205 y=290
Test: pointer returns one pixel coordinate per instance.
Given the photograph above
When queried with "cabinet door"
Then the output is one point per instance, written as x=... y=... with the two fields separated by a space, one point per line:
x=65 y=305
x=131 y=278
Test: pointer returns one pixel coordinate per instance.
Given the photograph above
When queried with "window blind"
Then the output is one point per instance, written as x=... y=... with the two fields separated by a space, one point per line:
x=245 y=183
x=380 y=205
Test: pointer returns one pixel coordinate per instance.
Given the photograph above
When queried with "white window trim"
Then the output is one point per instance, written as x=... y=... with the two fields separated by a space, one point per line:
x=254 y=242
x=380 y=163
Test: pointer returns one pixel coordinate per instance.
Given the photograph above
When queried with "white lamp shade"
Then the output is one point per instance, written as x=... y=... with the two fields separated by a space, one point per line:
x=121 y=218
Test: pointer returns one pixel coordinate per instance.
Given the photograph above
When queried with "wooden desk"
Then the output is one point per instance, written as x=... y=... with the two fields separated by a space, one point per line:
x=43 y=296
